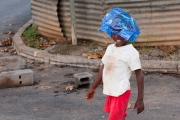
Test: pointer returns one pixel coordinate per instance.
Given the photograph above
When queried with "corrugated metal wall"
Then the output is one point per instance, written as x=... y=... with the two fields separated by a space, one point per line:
x=45 y=16
x=159 y=20
x=88 y=14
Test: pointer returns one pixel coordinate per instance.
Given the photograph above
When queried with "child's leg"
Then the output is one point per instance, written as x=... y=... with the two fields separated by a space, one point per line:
x=116 y=106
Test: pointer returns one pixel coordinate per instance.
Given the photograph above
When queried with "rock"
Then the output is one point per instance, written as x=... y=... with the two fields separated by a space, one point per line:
x=69 y=88
x=35 y=109
x=45 y=87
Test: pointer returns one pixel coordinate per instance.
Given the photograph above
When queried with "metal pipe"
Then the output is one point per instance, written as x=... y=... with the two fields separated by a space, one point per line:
x=73 y=22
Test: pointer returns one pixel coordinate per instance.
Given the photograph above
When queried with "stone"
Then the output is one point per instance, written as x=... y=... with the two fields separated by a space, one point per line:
x=16 y=78
x=82 y=79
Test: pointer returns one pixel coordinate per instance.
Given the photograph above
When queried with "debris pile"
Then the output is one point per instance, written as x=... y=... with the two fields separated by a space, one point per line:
x=9 y=49
x=44 y=43
x=96 y=55
x=9 y=32
x=166 y=53
x=6 y=42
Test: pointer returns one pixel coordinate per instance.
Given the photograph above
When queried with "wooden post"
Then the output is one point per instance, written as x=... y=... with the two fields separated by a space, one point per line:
x=73 y=22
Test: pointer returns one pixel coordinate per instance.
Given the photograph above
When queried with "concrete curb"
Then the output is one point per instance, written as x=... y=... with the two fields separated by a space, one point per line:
x=161 y=66
x=42 y=55
x=32 y=53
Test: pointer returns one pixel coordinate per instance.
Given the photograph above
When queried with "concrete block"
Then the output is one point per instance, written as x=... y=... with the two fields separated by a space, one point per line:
x=16 y=78
x=82 y=79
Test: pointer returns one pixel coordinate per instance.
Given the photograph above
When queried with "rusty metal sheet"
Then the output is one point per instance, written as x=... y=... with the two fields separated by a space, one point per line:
x=159 y=21
x=49 y=35
x=50 y=31
x=88 y=19
x=45 y=16
x=41 y=19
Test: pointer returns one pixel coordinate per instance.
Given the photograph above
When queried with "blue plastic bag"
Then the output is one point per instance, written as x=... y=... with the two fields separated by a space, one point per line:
x=117 y=21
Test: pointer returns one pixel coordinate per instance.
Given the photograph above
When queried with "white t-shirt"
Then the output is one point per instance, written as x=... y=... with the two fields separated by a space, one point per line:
x=119 y=62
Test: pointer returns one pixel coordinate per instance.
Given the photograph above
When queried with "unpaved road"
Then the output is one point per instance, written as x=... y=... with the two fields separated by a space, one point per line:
x=48 y=100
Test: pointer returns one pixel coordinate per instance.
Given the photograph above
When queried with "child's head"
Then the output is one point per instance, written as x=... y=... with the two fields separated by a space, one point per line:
x=119 y=22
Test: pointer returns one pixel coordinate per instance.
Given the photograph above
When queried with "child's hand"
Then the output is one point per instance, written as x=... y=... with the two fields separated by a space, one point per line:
x=139 y=105
x=90 y=95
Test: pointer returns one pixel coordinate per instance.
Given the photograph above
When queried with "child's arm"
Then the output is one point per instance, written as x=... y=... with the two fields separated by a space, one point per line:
x=90 y=93
x=139 y=105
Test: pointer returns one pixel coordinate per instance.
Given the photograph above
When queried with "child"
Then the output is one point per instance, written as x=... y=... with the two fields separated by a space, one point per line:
x=120 y=59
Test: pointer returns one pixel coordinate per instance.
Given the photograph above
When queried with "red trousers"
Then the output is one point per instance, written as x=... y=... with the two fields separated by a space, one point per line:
x=116 y=106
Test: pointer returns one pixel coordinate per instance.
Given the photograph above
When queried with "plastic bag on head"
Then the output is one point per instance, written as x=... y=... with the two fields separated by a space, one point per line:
x=117 y=21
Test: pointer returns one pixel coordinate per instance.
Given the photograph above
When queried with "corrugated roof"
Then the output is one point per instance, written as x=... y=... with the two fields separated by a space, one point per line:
x=159 y=20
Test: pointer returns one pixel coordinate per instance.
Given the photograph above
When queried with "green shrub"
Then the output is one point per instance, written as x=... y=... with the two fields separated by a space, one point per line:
x=31 y=35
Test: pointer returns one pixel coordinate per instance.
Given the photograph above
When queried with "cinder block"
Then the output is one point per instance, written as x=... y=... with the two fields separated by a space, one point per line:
x=82 y=78
x=16 y=78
